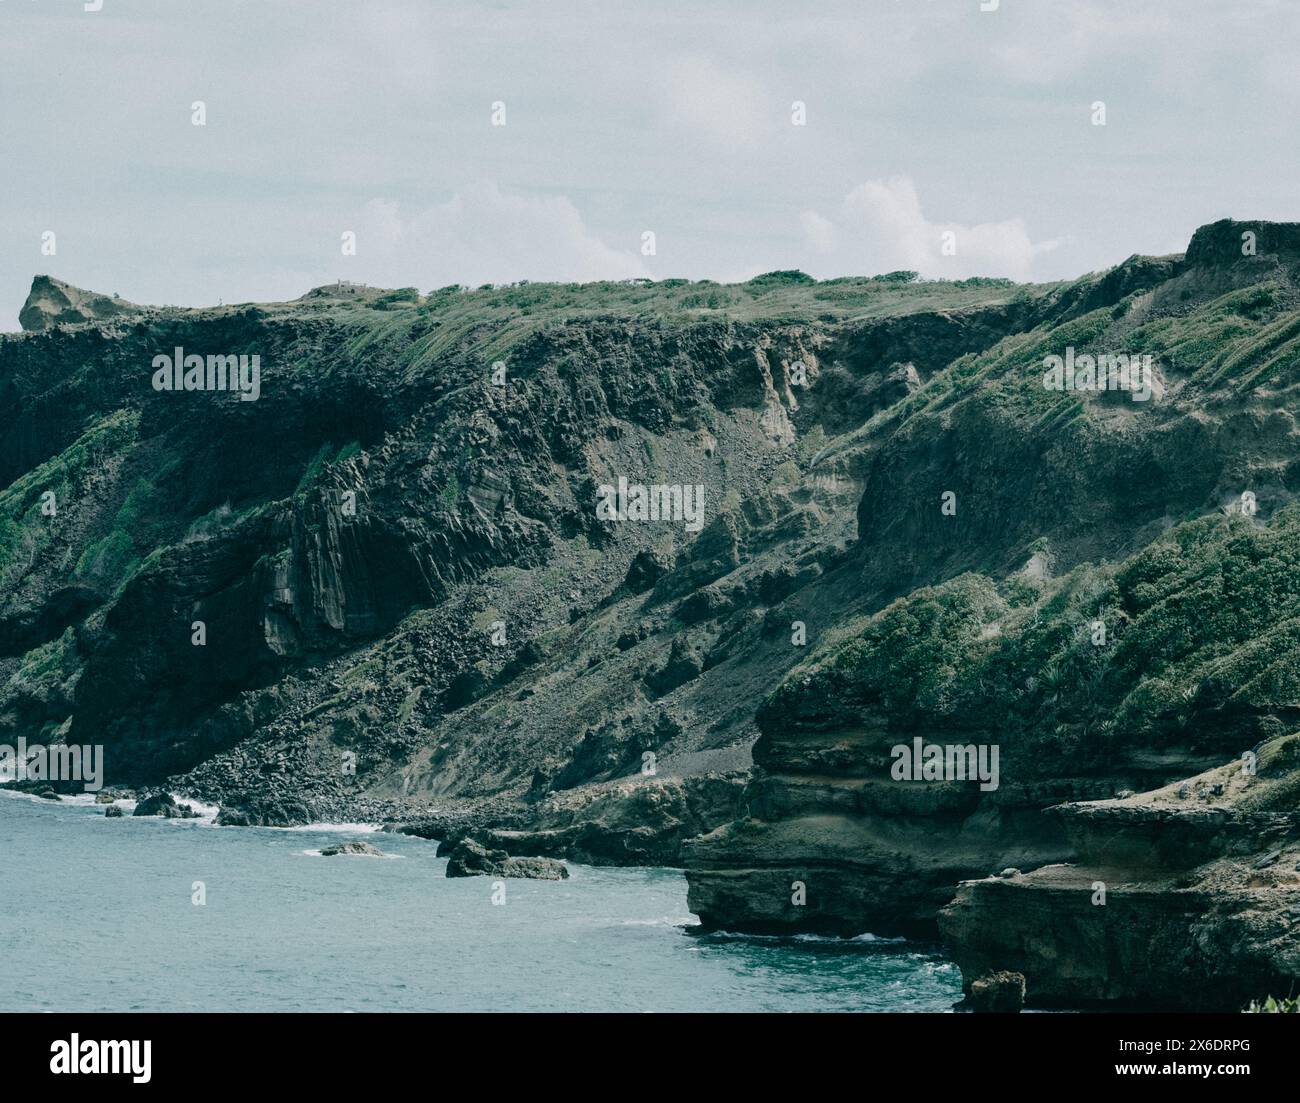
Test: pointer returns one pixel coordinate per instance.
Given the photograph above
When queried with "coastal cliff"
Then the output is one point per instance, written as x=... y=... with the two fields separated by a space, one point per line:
x=1118 y=616
x=383 y=588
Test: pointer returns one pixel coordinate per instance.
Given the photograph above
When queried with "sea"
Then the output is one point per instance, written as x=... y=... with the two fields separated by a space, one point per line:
x=149 y=914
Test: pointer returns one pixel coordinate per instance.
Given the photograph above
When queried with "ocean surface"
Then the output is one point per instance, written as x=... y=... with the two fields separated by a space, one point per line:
x=99 y=916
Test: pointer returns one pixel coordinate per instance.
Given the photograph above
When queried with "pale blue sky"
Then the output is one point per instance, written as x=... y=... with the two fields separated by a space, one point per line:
x=332 y=115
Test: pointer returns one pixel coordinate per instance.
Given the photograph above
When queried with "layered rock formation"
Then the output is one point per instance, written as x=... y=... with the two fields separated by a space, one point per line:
x=1101 y=645
x=1185 y=898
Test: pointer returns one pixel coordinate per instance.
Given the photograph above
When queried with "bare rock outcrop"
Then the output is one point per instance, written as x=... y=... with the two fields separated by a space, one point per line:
x=52 y=302
x=1186 y=898
x=469 y=859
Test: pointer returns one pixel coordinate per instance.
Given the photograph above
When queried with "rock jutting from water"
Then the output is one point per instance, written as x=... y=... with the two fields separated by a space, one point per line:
x=469 y=859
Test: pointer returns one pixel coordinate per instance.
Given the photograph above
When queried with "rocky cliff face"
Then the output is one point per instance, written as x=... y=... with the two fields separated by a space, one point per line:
x=1197 y=881
x=53 y=302
x=384 y=588
x=1108 y=603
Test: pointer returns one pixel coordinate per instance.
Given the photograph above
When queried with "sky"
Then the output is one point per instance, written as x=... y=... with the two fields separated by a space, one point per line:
x=935 y=136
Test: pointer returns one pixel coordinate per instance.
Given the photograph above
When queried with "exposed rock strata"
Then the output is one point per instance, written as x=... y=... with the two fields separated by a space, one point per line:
x=1173 y=901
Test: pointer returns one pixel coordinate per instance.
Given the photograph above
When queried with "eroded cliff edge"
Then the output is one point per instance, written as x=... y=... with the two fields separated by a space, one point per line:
x=1184 y=898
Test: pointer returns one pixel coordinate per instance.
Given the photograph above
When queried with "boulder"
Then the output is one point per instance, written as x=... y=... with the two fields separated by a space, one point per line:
x=162 y=804
x=997 y=992
x=354 y=847
x=470 y=859
x=269 y=811
x=647 y=567
x=113 y=812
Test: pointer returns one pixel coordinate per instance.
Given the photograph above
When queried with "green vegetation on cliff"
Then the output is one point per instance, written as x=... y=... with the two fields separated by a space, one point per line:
x=1193 y=641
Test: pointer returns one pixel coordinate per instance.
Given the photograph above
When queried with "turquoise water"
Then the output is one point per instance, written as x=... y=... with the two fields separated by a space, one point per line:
x=99 y=917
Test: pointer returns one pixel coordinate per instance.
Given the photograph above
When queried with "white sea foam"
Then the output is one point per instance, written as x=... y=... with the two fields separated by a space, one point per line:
x=77 y=800
x=664 y=921
x=349 y=828
x=320 y=854
x=22 y=796
x=72 y=800
x=805 y=936
x=207 y=812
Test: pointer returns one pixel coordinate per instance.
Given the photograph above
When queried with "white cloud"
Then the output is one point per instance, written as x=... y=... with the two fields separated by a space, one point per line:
x=881 y=227
x=484 y=235
x=819 y=231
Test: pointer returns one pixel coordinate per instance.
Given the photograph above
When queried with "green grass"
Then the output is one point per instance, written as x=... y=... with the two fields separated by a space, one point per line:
x=45 y=669
x=494 y=321
x=1208 y=616
x=24 y=530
